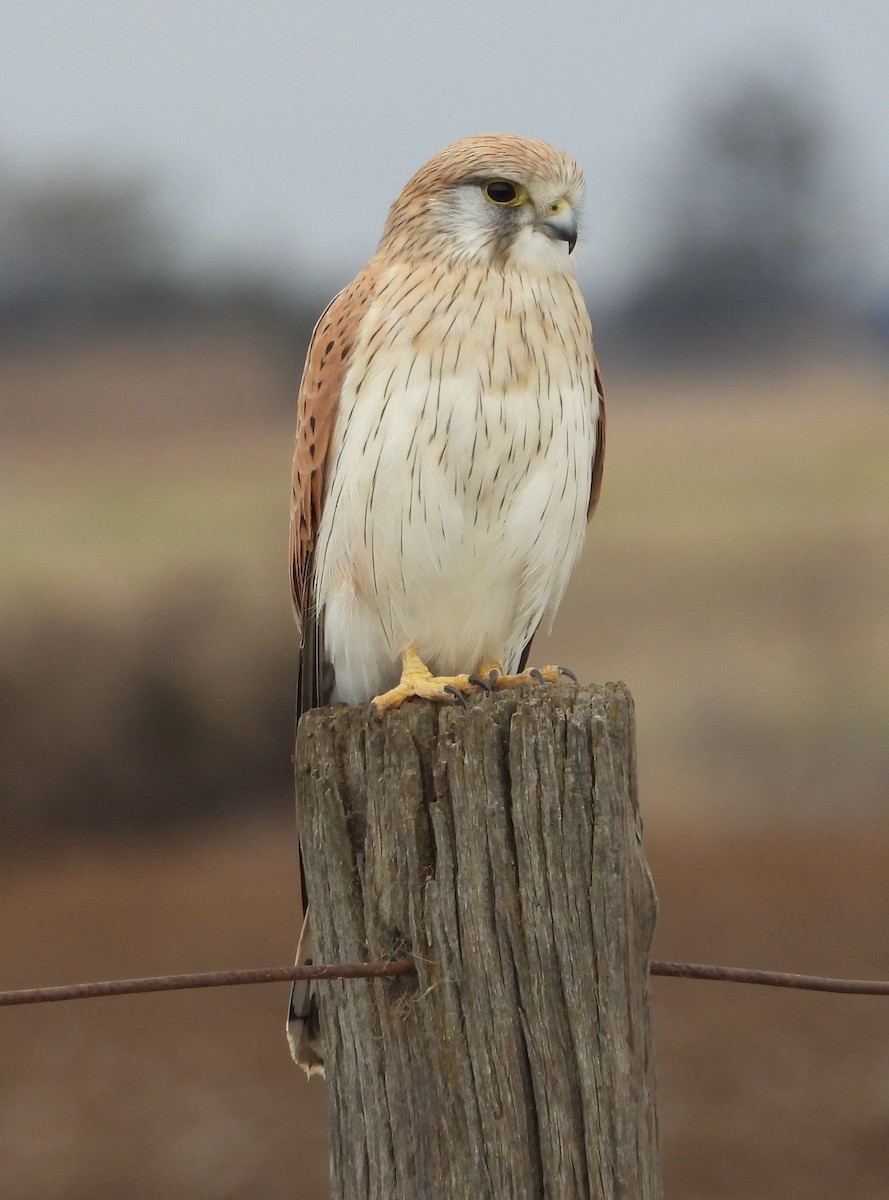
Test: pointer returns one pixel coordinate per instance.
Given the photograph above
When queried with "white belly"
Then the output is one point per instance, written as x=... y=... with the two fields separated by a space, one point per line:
x=455 y=506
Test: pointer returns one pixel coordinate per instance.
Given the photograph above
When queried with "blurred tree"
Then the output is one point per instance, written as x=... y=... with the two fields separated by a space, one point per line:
x=752 y=221
x=89 y=249
x=81 y=238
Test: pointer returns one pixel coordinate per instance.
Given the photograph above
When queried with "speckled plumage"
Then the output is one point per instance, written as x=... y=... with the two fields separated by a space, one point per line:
x=449 y=444
x=449 y=432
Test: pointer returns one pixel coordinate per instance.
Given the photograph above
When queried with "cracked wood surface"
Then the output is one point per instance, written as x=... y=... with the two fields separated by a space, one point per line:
x=500 y=847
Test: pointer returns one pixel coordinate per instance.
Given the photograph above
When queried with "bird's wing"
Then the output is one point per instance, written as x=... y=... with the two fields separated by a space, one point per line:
x=599 y=452
x=327 y=361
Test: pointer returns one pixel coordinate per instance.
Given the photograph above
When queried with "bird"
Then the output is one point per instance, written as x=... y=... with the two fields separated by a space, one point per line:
x=449 y=447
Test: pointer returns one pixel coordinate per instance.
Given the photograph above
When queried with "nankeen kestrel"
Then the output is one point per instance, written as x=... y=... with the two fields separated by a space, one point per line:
x=450 y=436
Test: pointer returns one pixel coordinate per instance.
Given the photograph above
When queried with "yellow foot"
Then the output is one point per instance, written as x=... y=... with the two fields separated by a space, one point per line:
x=550 y=674
x=418 y=680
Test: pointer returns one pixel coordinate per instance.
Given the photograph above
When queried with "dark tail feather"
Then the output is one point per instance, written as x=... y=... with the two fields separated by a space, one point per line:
x=314 y=686
x=303 y=1028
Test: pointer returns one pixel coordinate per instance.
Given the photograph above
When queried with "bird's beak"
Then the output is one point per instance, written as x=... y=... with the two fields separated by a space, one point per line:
x=560 y=224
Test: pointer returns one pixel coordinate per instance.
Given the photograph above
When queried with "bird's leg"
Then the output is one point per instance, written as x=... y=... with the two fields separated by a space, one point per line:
x=490 y=676
x=418 y=680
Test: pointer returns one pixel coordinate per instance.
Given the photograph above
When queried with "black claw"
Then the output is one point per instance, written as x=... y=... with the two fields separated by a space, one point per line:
x=371 y=711
x=455 y=692
x=535 y=675
x=570 y=674
x=486 y=685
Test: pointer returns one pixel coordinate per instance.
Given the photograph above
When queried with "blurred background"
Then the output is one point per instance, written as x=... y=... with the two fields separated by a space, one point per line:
x=182 y=189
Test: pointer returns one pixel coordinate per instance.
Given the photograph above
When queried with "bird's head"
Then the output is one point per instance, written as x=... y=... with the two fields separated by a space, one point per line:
x=496 y=201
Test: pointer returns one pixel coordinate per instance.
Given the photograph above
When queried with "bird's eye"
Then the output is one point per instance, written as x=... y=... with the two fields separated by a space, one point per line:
x=501 y=191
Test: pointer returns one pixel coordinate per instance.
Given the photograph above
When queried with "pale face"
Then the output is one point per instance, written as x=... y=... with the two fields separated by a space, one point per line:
x=507 y=223
x=495 y=201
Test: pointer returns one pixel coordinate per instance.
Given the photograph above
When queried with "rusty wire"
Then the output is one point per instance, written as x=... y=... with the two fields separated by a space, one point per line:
x=385 y=970
x=207 y=979
x=782 y=979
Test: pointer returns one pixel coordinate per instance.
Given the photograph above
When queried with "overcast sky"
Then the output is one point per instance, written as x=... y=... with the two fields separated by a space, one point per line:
x=280 y=131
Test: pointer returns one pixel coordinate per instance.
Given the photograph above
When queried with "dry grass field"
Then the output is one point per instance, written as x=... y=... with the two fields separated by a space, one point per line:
x=737 y=578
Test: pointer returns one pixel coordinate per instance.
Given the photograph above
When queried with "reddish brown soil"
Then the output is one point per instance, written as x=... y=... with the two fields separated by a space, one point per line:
x=763 y=1094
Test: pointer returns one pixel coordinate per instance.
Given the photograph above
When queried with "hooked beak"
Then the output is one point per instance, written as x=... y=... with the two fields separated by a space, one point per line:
x=560 y=224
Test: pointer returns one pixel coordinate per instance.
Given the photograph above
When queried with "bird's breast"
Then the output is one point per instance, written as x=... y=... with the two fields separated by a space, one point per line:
x=459 y=472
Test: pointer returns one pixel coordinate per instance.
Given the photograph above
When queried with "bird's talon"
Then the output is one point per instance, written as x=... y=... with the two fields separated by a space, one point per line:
x=569 y=673
x=535 y=674
x=455 y=692
x=485 y=684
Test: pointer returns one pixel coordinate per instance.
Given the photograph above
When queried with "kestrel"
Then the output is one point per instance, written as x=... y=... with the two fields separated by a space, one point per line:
x=450 y=437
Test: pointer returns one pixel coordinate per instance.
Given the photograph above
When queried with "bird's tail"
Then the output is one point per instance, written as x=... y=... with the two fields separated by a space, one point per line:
x=303 y=1029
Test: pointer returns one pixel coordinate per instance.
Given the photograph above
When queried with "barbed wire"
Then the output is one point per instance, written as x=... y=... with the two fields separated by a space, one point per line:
x=387 y=970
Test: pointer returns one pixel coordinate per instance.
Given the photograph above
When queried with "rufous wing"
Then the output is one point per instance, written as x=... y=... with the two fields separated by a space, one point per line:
x=327 y=362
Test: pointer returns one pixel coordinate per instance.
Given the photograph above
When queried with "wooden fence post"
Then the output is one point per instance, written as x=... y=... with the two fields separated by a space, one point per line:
x=500 y=847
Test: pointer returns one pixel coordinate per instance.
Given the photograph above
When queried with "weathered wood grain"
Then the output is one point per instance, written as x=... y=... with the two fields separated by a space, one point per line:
x=500 y=847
